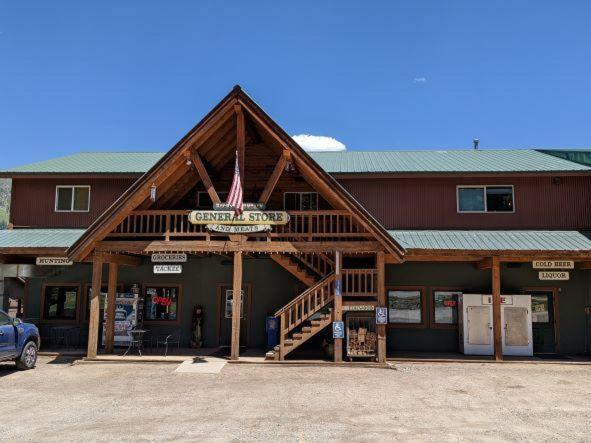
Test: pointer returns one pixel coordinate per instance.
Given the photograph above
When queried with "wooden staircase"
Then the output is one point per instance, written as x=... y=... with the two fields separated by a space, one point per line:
x=304 y=317
x=301 y=273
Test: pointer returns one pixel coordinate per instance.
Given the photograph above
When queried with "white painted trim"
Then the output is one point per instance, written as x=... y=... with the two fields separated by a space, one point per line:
x=72 y=201
x=486 y=211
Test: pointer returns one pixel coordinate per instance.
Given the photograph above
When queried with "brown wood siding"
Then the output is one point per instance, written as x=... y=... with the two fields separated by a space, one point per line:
x=430 y=203
x=33 y=201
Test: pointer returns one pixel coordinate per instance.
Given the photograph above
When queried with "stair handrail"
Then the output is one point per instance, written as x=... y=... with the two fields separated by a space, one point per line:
x=298 y=299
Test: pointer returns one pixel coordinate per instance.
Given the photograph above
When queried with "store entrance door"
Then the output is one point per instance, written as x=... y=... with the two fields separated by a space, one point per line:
x=544 y=335
x=225 y=295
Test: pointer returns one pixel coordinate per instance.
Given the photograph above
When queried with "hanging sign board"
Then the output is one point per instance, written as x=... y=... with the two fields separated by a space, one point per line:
x=338 y=329
x=246 y=218
x=358 y=308
x=169 y=258
x=238 y=229
x=381 y=315
x=245 y=207
x=553 y=275
x=168 y=269
x=553 y=264
x=53 y=261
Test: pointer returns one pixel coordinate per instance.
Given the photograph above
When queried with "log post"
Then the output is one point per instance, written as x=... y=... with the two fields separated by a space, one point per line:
x=93 y=324
x=496 y=301
x=110 y=309
x=381 y=283
x=236 y=305
x=338 y=304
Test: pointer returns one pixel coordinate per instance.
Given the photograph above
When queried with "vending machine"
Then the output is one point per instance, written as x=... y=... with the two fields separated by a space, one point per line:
x=128 y=315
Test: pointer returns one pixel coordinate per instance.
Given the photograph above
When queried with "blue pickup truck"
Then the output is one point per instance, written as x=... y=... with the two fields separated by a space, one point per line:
x=18 y=341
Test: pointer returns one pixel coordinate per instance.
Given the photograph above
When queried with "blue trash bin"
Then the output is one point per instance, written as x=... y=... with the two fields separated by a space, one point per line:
x=272 y=329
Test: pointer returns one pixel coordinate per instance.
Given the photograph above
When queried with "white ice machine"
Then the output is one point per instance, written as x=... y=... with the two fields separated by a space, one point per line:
x=476 y=324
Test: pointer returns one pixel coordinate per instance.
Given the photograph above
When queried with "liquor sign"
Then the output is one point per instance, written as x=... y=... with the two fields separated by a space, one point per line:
x=338 y=329
x=53 y=261
x=169 y=258
x=238 y=229
x=554 y=275
x=168 y=269
x=246 y=218
x=553 y=264
x=381 y=315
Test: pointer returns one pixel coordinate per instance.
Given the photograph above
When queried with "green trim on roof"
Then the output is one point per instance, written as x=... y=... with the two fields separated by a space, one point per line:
x=39 y=238
x=493 y=240
x=575 y=155
x=344 y=162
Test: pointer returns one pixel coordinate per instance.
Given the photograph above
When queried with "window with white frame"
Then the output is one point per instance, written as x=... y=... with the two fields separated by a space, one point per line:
x=72 y=198
x=498 y=198
x=204 y=200
x=300 y=201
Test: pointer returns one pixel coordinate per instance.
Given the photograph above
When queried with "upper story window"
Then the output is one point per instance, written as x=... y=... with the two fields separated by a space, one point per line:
x=300 y=201
x=72 y=198
x=486 y=199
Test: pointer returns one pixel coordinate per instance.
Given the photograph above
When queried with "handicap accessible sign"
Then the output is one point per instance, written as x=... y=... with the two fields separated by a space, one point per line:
x=338 y=329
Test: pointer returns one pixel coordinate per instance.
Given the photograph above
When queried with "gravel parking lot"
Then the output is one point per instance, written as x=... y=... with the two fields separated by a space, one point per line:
x=417 y=401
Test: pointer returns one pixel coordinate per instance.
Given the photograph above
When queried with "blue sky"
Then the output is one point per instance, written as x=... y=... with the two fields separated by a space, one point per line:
x=136 y=75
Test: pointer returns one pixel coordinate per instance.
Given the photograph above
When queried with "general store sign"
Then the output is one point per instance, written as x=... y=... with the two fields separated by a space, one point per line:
x=553 y=264
x=246 y=218
x=168 y=269
x=53 y=261
x=169 y=258
x=554 y=275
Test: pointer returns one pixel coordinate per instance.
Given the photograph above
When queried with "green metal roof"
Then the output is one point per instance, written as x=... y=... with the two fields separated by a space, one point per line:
x=93 y=163
x=39 y=238
x=486 y=161
x=493 y=240
x=518 y=160
x=574 y=155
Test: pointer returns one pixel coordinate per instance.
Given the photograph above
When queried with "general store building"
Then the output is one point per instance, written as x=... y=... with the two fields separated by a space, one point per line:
x=410 y=231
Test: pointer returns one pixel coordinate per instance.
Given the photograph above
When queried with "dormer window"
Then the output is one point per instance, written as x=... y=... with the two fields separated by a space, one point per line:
x=72 y=198
x=300 y=201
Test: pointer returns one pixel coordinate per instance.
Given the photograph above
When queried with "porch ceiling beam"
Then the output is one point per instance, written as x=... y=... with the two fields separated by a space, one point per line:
x=196 y=159
x=484 y=264
x=274 y=178
x=221 y=247
x=117 y=259
x=585 y=265
x=503 y=256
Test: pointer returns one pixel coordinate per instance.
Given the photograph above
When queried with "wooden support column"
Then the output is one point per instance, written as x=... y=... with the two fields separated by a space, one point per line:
x=496 y=301
x=338 y=304
x=110 y=310
x=381 y=283
x=236 y=305
x=240 y=140
x=93 y=324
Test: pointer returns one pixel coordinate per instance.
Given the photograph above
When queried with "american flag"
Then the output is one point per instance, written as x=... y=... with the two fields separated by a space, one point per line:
x=235 y=195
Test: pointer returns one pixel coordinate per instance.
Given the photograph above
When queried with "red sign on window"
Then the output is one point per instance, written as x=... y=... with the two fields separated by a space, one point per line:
x=162 y=301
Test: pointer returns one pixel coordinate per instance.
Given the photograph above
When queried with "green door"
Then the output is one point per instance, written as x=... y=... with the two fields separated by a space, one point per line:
x=542 y=307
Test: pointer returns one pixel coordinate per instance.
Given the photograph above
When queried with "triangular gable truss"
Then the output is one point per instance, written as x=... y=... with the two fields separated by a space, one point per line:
x=217 y=132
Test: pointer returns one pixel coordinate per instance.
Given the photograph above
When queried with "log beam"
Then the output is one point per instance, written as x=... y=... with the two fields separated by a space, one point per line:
x=196 y=159
x=93 y=324
x=496 y=304
x=485 y=263
x=124 y=260
x=338 y=305
x=274 y=178
x=110 y=309
x=236 y=306
x=381 y=277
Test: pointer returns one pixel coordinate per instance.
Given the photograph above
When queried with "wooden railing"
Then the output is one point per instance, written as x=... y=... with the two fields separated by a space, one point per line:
x=303 y=225
x=305 y=305
x=359 y=282
x=320 y=263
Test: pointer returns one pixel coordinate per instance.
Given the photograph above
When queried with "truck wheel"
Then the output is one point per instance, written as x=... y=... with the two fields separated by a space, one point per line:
x=28 y=357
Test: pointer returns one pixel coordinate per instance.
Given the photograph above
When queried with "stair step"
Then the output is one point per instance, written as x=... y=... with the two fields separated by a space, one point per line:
x=306 y=329
x=297 y=336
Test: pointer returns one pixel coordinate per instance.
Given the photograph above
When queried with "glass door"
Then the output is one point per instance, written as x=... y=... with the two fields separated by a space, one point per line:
x=542 y=307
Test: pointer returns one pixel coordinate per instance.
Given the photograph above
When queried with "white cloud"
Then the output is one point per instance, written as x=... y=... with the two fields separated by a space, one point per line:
x=318 y=143
x=420 y=79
